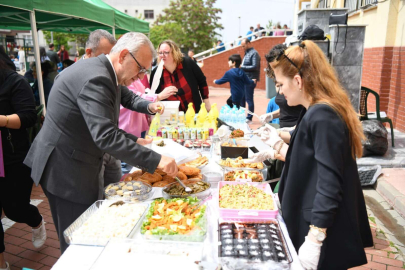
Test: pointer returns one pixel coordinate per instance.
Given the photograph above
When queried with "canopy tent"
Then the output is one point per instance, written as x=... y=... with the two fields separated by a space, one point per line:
x=73 y=16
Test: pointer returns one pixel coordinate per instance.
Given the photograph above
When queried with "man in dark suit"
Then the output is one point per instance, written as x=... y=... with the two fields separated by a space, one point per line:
x=81 y=125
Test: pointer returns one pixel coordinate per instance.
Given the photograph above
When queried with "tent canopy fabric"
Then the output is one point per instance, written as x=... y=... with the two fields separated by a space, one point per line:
x=73 y=16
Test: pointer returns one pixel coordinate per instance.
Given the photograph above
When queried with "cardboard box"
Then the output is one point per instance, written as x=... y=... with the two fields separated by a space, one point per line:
x=241 y=150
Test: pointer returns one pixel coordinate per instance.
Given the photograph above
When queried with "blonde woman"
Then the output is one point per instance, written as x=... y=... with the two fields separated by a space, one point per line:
x=181 y=77
x=320 y=193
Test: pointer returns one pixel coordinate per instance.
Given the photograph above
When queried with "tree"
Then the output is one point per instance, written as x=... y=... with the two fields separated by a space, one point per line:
x=172 y=31
x=197 y=21
x=64 y=38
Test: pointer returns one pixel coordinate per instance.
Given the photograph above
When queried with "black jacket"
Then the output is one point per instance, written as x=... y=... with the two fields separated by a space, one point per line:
x=320 y=186
x=195 y=79
x=251 y=64
x=16 y=97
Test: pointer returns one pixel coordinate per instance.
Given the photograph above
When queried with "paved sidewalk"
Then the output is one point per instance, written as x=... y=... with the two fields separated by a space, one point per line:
x=18 y=240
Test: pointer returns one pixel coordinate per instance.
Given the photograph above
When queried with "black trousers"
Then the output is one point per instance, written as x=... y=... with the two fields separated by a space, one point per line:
x=64 y=213
x=15 y=192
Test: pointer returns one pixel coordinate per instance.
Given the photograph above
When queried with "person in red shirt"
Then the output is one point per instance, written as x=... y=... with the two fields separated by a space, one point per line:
x=63 y=54
x=184 y=77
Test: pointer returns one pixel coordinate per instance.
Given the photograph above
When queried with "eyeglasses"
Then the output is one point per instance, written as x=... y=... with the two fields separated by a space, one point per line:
x=282 y=52
x=141 y=69
x=164 y=53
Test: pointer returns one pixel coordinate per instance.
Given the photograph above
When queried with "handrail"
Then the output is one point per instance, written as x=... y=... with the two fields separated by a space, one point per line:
x=265 y=31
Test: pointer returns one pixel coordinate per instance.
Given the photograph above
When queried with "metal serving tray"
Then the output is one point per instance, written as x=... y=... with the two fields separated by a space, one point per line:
x=96 y=241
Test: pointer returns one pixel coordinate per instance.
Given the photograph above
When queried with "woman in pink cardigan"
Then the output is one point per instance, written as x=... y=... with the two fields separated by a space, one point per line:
x=138 y=123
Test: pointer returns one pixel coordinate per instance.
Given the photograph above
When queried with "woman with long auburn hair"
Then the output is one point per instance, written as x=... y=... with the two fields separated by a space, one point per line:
x=320 y=193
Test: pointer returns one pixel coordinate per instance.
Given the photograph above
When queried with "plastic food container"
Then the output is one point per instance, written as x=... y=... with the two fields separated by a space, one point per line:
x=121 y=253
x=248 y=215
x=91 y=240
x=200 y=195
x=213 y=178
x=253 y=245
x=198 y=234
x=246 y=172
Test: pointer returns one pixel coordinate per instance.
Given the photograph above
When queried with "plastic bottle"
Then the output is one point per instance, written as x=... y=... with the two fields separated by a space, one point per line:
x=202 y=115
x=190 y=115
x=214 y=111
x=155 y=125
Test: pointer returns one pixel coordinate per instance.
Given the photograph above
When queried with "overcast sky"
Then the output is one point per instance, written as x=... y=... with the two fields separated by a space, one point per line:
x=252 y=12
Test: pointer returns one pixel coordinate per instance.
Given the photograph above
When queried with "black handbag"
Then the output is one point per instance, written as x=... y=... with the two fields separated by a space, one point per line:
x=338 y=18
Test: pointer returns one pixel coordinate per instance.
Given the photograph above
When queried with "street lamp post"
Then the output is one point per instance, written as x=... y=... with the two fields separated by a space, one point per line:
x=239 y=25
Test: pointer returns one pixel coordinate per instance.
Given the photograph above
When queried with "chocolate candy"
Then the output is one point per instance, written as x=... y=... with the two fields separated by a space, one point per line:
x=253 y=241
x=227 y=247
x=226 y=231
x=240 y=246
x=254 y=247
x=227 y=241
x=239 y=241
x=256 y=258
x=227 y=236
x=255 y=252
x=264 y=241
x=225 y=226
x=265 y=246
x=263 y=235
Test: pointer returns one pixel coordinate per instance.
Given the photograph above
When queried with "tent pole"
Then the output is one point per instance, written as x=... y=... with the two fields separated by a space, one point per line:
x=113 y=32
x=37 y=59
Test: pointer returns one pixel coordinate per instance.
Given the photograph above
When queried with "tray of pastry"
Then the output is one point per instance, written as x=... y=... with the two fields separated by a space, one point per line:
x=239 y=164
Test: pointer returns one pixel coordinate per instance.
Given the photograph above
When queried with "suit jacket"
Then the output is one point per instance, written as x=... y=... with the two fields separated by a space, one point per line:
x=80 y=126
x=320 y=185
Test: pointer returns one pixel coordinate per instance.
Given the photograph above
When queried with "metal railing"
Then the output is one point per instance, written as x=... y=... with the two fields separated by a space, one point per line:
x=354 y=5
x=265 y=32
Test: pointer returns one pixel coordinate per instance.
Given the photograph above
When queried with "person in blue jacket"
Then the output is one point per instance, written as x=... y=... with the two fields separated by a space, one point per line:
x=237 y=78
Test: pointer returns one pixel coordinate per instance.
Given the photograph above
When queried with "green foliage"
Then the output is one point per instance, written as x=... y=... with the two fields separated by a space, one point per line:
x=64 y=38
x=269 y=24
x=197 y=19
x=172 y=31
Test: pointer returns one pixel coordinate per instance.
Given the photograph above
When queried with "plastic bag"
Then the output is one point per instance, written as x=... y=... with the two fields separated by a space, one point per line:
x=376 y=134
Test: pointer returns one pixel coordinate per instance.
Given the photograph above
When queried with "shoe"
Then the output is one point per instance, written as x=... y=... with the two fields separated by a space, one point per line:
x=7 y=267
x=248 y=121
x=39 y=235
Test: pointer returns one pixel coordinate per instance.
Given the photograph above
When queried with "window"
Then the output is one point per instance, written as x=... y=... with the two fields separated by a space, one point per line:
x=354 y=5
x=148 y=14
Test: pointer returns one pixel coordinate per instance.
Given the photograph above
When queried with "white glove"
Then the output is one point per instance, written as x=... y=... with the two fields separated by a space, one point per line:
x=261 y=156
x=287 y=129
x=309 y=254
x=269 y=135
x=265 y=118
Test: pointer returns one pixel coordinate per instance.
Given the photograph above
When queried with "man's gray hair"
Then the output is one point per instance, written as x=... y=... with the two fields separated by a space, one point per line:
x=133 y=42
x=95 y=37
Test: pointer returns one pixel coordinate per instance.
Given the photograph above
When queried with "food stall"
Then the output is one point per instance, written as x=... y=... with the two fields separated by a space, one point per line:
x=230 y=219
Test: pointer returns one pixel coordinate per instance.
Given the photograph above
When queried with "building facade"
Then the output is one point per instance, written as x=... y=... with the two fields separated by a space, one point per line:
x=384 y=50
x=145 y=10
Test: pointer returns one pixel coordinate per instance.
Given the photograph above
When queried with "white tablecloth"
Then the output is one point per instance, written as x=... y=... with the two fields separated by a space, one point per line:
x=83 y=257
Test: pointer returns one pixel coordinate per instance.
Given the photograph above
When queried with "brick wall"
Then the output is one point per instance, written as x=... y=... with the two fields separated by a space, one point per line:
x=384 y=72
x=216 y=66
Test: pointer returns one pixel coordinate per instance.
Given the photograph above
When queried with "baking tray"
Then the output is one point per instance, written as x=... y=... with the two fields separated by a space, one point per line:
x=244 y=180
x=196 y=236
x=248 y=215
x=95 y=241
x=131 y=253
x=272 y=252
x=238 y=168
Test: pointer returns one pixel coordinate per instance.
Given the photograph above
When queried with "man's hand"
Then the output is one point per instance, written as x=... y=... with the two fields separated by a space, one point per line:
x=144 y=142
x=214 y=81
x=168 y=165
x=157 y=107
x=254 y=80
x=167 y=92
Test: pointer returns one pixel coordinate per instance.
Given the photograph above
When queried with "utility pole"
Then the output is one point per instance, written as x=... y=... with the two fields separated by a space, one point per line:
x=51 y=37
